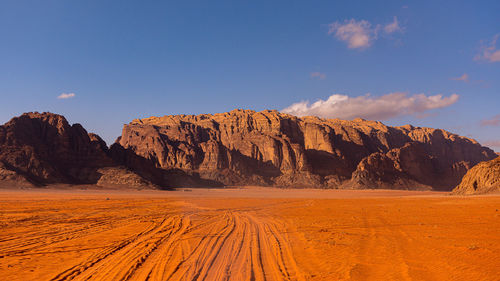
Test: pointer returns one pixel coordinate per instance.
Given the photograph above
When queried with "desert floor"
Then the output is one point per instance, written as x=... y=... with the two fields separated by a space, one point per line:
x=247 y=234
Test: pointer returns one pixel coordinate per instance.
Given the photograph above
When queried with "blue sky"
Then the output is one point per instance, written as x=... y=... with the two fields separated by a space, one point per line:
x=133 y=59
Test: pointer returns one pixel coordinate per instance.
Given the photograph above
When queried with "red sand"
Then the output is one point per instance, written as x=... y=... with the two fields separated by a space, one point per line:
x=248 y=234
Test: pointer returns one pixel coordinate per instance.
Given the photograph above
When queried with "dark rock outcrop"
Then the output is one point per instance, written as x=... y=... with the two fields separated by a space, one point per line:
x=244 y=147
x=43 y=148
x=10 y=177
x=482 y=178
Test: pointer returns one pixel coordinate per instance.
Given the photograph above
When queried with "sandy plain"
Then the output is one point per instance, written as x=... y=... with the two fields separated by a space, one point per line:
x=247 y=234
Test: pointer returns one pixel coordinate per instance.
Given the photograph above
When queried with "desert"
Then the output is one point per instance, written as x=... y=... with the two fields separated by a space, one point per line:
x=337 y=200
x=248 y=233
x=253 y=140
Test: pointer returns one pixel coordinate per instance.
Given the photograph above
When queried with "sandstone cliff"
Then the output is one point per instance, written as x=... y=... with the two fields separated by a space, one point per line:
x=482 y=178
x=43 y=148
x=244 y=147
x=240 y=147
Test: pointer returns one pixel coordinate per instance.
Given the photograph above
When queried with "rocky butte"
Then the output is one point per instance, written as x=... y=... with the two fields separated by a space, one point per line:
x=244 y=147
x=482 y=178
x=43 y=148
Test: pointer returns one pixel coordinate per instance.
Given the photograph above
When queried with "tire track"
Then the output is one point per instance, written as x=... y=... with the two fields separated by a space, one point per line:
x=73 y=272
x=209 y=245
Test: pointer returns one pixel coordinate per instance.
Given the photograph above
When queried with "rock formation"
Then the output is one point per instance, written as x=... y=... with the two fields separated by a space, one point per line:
x=408 y=167
x=244 y=147
x=482 y=178
x=241 y=147
x=43 y=148
x=9 y=177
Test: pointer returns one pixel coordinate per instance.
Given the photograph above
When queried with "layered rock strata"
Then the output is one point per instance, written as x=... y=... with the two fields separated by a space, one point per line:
x=482 y=178
x=43 y=148
x=244 y=147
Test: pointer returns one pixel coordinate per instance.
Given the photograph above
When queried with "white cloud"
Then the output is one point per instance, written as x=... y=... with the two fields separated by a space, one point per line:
x=494 y=121
x=66 y=96
x=318 y=75
x=360 y=34
x=464 y=77
x=489 y=52
x=392 y=27
x=374 y=108
x=357 y=34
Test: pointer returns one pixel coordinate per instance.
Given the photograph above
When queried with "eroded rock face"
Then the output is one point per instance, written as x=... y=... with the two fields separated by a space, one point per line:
x=241 y=147
x=408 y=167
x=11 y=178
x=118 y=177
x=43 y=148
x=482 y=178
x=245 y=147
x=48 y=149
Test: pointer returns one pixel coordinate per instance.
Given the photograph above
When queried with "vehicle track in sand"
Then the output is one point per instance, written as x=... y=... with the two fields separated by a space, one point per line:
x=190 y=236
x=218 y=245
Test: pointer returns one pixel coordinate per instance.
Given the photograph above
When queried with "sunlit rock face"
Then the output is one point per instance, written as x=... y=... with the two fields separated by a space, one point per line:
x=244 y=147
x=482 y=178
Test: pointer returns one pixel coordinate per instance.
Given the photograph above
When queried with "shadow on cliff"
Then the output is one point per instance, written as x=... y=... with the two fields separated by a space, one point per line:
x=165 y=179
x=30 y=179
x=248 y=165
x=325 y=163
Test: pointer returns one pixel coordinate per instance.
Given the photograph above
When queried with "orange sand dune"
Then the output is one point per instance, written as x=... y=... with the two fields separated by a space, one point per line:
x=248 y=234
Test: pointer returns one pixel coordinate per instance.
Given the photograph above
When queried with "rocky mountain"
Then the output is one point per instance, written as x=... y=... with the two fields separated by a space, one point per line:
x=482 y=178
x=43 y=148
x=244 y=147
x=241 y=147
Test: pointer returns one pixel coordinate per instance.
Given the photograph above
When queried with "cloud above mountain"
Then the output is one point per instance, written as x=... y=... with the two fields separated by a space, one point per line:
x=66 y=96
x=357 y=34
x=393 y=27
x=368 y=107
x=464 y=78
x=492 y=143
x=318 y=75
x=493 y=121
x=361 y=34
x=489 y=52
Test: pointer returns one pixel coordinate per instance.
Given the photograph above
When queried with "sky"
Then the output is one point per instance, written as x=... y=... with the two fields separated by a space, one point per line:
x=104 y=63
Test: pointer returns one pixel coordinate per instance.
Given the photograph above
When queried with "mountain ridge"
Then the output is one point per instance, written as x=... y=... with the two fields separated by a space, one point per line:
x=273 y=148
x=240 y=147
